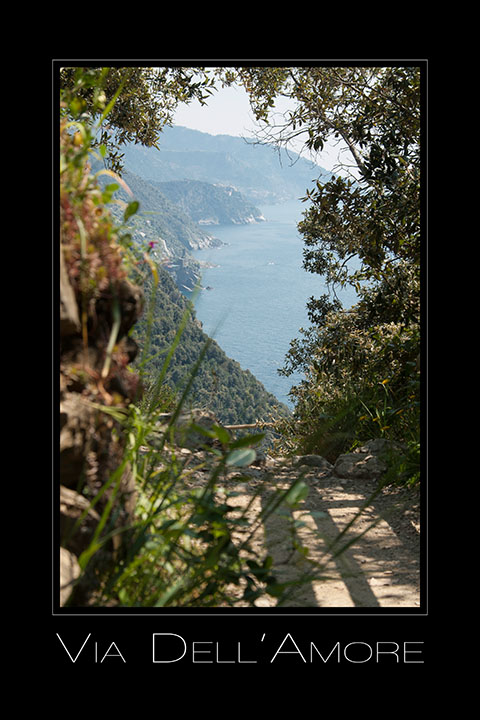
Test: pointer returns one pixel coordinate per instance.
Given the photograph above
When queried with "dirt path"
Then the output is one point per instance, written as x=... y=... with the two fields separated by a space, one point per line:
x=380 y=569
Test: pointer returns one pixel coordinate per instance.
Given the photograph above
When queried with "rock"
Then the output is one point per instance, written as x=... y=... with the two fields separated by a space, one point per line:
x=379 y=446
x=94 y=375
x=272 y=462
x=76 y=426
x=368 y=460
x=316 y=461
x=131 y=299
x=69 y=572
x=72 y=507
x=358 y=466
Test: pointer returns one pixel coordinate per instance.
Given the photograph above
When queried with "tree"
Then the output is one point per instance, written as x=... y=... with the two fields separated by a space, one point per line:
x=137 y=102
x=375 y=112
x=361 y=228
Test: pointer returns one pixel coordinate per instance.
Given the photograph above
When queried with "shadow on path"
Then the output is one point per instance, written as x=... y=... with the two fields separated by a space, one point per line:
x=376 y=570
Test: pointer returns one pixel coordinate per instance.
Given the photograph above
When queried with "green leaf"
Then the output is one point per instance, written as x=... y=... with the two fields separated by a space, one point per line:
x=131 y=209
x=297 y=492
x=241 y=457
x=108 y=192
x=248 y=440
x=275 y=589
x=319 y=514
x=123 y=597
x=170 y=592
x=76 y=106
x=221 y=434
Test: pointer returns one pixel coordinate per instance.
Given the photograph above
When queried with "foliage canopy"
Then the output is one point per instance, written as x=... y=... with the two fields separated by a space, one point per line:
x=361 y=228
x=136 y=101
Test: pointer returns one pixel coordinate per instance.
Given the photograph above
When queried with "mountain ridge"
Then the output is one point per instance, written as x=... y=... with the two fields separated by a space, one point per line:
x=209 y=204
x=261 y=172
x=233 y=393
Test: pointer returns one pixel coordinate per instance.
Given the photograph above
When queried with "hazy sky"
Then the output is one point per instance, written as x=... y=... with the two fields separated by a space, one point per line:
x=228 y=112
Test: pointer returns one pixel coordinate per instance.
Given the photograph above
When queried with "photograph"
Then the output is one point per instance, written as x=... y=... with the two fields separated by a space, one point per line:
x=239 y=261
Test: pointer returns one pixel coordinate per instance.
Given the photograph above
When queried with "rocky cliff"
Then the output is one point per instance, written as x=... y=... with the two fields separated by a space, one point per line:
x=92 y=443
x=98 y=306
x=209 y=204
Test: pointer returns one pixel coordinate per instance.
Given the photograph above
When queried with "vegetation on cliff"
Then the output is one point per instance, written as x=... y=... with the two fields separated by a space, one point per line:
x=220 y=384
x=210 y=204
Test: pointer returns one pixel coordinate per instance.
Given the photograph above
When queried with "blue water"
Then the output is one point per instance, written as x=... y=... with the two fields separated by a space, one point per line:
x=259 y=293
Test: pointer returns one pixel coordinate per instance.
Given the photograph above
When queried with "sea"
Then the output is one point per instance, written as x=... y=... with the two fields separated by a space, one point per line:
x=255 y=291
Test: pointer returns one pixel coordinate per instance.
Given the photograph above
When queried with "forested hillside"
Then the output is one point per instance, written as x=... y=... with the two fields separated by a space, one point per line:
x=173 y=218
x=220 y=384
x=210 y=204
x=263 y=174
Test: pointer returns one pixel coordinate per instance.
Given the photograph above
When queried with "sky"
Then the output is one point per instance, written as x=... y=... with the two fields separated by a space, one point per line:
x=228 y=112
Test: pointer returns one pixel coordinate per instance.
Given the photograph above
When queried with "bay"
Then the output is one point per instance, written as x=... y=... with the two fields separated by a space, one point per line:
x=258 y=291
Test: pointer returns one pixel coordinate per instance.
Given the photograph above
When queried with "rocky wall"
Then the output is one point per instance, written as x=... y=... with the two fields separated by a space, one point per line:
x=91 y=442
